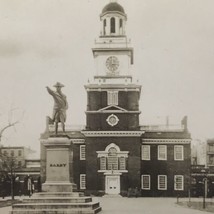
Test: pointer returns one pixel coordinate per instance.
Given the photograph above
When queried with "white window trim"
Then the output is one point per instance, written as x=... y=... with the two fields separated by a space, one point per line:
x=159 y=158
x=105 y=162
x=159 y=188
x=112 y=97
x=82 y=157
x=82 y=179
x=142 y=184
x=149 y=156
x=182 y=188
x=182 y=154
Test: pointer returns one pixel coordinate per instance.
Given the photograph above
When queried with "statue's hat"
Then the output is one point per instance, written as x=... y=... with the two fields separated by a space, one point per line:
x=58 y=85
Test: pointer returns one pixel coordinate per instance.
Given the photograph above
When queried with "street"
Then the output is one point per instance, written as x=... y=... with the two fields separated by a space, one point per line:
x=137 y=206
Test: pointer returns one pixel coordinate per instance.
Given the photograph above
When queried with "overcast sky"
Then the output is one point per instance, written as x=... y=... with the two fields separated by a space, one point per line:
x=42 y=42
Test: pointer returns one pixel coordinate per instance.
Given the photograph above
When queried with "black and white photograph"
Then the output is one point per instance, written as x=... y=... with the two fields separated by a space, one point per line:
x=107 y=106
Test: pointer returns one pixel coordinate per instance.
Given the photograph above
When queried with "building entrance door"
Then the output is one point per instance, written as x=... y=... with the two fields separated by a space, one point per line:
x=113 y=184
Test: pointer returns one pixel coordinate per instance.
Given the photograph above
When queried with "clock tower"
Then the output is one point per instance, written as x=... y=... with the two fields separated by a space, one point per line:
x=112 y=52
x=113 y=96
x=112 y=134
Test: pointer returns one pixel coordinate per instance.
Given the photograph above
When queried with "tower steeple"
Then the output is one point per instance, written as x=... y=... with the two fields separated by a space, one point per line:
x=113 y=97
x=113 y=55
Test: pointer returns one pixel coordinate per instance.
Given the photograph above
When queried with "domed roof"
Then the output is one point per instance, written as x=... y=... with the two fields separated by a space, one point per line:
x=113 y=7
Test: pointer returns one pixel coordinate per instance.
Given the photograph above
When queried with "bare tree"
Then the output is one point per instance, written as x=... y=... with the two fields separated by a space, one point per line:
x=11 y=123
x=8 y=164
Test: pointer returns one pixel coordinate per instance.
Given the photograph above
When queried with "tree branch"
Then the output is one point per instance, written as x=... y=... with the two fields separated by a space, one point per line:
x=10 y=124
x=6 y=127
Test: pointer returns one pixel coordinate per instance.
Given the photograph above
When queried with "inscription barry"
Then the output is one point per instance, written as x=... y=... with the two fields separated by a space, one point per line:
x=58 y=165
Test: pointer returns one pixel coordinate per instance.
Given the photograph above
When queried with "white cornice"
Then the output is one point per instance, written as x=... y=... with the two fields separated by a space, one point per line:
x=113 y=172
x=112 y=111
x=119 y=154
x=166 y=141
x=107 y=88
x=112 y=133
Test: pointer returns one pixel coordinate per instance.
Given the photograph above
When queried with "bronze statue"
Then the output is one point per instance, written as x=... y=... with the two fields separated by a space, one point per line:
x=60 y=106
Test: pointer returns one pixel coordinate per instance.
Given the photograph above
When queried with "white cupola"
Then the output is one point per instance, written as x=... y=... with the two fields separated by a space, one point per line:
x=113 y=20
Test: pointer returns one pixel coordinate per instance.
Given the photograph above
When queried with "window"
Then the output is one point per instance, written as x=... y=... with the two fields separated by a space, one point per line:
x=112 y=25
x=82 y=181
x=145 y=182
x=103 y=163
x=12 y=152
x=211 y=160
x=122 y=162
x=179 y=182
x=211 y=148
x=162 y=152
x=19 y=164
x=20 y=153
x=5 y=153
x=145 y=152
x=121 y=23
x=112 y=159
x=193 y=181
x=104 y=26
x=112 y=97
x=178 y=152
x=162 y=182
x=82 y=152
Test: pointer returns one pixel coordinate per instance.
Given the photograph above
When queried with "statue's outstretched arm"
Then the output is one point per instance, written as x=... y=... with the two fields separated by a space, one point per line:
x=50 y=91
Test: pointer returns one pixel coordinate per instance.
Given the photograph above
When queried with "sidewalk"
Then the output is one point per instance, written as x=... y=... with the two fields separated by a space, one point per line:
x=144 y=205
x=16 y=198
x=5 y=210
x=197 y=204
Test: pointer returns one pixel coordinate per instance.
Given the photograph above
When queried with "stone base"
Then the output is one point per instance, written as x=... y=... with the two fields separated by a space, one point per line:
x=58 y=187
x=57 y=203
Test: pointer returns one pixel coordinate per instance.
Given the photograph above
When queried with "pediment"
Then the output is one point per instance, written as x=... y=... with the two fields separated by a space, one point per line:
x=112 y=108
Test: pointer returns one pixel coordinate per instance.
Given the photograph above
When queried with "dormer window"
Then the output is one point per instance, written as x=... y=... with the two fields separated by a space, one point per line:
x=112 y=25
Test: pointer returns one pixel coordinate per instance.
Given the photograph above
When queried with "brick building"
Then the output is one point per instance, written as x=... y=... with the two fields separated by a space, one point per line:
x=114 y=153
x=19 y=153
x=22 y=167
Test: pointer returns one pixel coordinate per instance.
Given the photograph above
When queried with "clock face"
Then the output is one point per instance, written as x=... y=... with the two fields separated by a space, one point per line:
x=112 y=63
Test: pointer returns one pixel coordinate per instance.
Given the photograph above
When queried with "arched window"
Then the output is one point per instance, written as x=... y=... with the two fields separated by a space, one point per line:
x=104 y=26
x=112 y=25
x=121 y=23
x=112 y=158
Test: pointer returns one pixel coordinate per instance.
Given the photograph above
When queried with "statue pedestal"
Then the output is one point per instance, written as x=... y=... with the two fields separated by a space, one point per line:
x=57 y=196
x=59 y=160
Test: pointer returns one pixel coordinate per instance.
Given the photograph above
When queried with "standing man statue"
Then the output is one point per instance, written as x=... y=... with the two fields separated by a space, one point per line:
x=60 y=106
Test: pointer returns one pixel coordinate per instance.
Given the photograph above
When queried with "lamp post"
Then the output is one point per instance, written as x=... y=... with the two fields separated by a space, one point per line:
x=205 y=192
x=204 y=171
